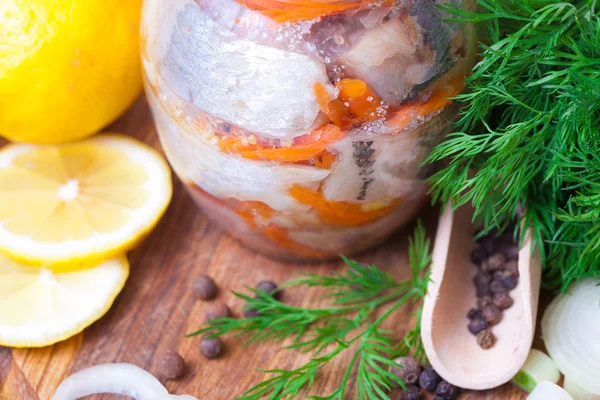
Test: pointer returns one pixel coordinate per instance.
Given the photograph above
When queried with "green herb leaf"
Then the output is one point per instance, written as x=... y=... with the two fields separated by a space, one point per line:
x=530 y=128
x=348 y=326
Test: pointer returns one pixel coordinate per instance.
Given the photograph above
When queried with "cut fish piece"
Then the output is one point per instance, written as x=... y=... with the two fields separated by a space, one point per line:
x=404 y=55
x=259 y=88
x=223 y=175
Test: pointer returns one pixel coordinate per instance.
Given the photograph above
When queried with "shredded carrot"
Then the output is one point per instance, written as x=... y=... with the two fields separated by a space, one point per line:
x=339 y=212
x=301 y=10
x=324 y=160
x=438 y=100
x=303 y=148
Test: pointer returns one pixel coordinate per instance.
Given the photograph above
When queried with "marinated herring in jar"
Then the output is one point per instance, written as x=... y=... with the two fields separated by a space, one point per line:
x=300 y=126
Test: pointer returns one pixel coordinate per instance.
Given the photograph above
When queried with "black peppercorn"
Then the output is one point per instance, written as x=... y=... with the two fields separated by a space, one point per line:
x=476 y=325
x=486 y=339
x=411 y=393
x=429 y=379
x=474 y=313
x=478 y=255
x=502 y=300
x=408 y=370
x=211 y=348
x=446 y=391
x=269 y=287
x=492 y=314
x=205 y=287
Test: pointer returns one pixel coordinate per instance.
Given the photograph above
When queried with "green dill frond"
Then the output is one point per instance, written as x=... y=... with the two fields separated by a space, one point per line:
x=350 y=325
x=529 y=130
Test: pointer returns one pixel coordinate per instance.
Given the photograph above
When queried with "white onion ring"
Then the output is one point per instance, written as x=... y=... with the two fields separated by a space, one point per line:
x=571 y=331
x=124 y=379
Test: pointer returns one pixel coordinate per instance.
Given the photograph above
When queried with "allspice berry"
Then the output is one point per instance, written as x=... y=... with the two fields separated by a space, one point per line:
x=408 y=370
x=429 y=379
x=502 y=300
x=510 y=281
x=512 y=267
x=491 y=314
x=484 y=301
x=251 y=313
x=205 y=287
x=412 y=393
x=269 y=287
x=216 y=311
x=474 y=313
x=486 y=339
x=211 y=348
x=446 y=391
x=496 y=286
x=510 y=252
x=478 y=255
x=476 y=325
x=494 y=262
x=171 y=365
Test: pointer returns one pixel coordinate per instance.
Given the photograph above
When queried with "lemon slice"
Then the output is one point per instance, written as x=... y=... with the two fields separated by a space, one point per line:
x=39 y=307
x=80 y=202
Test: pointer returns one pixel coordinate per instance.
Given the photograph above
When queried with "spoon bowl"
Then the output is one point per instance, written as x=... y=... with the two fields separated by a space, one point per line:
x=452 y=350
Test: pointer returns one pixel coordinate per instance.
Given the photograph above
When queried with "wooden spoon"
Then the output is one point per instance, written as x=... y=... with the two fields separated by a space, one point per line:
x=452 y=350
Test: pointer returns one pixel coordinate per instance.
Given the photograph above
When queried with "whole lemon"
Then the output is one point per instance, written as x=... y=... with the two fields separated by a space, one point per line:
x=67 y=67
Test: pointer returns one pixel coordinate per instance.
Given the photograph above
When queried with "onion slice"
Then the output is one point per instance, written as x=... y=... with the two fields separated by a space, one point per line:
x=538 y=368
x=577 y=392
x=549 y=391
x=123 y=379
x=571 y=331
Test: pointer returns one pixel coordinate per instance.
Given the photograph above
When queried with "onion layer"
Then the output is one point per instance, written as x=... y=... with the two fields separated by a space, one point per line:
x=123 y=379
x=577 y=392
x=549 y=391
x=571 y=331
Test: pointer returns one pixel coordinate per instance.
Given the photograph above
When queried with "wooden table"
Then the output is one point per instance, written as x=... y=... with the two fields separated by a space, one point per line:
x=157 y=308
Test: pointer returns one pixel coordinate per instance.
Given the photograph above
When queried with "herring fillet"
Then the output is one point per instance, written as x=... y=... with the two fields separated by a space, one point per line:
x=230 y=176
x=259 y=88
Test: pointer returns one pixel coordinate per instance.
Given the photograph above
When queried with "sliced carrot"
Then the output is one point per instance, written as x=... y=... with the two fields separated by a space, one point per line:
x=324 y=160
x=335 y=109
x=339 y=212
x=436 y=101
x=300 y=10
x=303 y=148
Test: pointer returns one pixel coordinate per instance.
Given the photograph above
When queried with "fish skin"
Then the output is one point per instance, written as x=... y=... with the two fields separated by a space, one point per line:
x=259 y=88
x=398 y=62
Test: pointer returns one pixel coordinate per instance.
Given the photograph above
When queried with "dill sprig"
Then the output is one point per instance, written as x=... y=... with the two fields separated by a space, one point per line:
x=349 y=325
x=530 y=128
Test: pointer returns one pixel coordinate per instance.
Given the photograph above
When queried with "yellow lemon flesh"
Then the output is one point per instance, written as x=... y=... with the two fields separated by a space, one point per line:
x=67 y=67
x=78 y=203
x=39 y=307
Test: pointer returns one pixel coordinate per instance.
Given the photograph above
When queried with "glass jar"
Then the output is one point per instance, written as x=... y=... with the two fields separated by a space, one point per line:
x=300 y=126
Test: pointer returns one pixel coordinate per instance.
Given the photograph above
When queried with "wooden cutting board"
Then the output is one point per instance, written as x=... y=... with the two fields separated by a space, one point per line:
x=157 y=308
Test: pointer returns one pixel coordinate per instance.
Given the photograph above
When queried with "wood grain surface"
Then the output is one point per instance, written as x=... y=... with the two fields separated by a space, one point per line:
x=158 y=308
